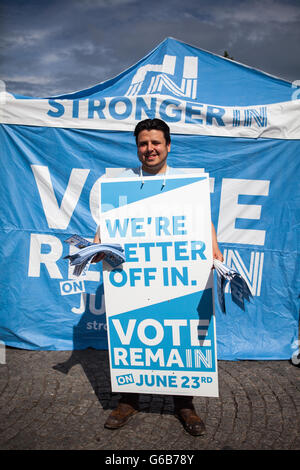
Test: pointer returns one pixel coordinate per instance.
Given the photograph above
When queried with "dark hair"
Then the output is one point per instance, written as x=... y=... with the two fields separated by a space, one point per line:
x=149 y=124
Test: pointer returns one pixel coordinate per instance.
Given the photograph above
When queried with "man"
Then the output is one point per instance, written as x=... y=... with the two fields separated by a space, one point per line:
x=153 y=146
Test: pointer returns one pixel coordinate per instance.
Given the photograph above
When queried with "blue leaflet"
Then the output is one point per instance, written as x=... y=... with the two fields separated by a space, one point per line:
x=238 y=285
x=82 y=258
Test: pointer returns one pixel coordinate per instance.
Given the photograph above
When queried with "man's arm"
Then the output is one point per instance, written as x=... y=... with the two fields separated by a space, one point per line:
x=96 y=238
x=99 y=256
x=216 y=251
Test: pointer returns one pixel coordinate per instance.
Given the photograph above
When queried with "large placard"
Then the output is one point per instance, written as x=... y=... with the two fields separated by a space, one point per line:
x=159 y=303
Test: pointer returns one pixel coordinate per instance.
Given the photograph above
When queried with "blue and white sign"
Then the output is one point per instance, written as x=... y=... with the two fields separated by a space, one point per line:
x=241 y=125
x=159 y=305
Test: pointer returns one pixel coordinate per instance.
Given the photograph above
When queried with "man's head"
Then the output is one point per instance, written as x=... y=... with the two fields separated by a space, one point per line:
x=153 y=144
x=156 y=124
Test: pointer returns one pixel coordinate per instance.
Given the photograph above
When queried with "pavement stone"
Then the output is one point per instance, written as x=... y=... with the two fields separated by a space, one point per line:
x=59 y=400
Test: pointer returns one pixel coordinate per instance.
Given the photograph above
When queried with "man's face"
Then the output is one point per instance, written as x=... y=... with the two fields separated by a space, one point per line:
x=153 y=150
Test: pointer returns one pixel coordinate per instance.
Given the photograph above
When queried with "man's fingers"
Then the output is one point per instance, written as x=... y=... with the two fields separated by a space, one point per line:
x=97 y=258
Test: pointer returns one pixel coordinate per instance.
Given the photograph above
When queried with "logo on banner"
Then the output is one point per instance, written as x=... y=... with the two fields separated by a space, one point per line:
x=156 y=77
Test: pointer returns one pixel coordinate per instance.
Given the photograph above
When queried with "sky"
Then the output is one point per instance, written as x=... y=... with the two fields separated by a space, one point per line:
x=51 y=47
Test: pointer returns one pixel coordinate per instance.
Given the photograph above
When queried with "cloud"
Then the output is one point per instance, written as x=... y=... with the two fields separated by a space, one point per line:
x=30 y=79
x=261 y=12
x=21 y=40
x=87 y=48
x=88 y=4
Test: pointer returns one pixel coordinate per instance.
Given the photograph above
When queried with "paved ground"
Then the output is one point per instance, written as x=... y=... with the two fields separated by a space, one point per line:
x=60 y=400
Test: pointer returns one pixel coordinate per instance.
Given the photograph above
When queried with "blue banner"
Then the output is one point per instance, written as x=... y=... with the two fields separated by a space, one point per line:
x=51 y=165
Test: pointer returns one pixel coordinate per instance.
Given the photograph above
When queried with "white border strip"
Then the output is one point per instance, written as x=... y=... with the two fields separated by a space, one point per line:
x=275 y=121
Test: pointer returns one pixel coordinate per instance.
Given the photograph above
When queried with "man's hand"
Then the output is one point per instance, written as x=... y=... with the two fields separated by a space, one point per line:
x=97 y=258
